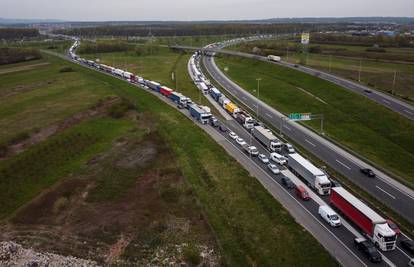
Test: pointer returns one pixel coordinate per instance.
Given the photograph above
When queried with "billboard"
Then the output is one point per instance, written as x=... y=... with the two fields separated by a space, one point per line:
x=305 y=38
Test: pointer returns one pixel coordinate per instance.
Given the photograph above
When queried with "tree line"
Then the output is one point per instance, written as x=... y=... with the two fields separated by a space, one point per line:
x=17 y=33
x=10 y=55
x=381 y=40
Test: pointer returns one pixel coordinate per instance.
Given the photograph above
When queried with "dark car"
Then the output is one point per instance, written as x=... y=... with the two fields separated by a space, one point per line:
x=367 y=91
x=368 y=249
x=335 y=183
x=408 y=245
x=368 y=172
x=288 y=183
x=223 y=128
x=296 y=66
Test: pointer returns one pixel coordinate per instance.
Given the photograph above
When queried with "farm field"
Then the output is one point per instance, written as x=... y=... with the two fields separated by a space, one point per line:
x=122 y=186
x=346 y=61
x=350 y=119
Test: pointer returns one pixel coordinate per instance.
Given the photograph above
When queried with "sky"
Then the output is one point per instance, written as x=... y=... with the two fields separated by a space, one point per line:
x=98 y=10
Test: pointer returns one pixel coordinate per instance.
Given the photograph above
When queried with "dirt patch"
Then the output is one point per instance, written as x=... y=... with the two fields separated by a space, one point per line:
x=45 y=133
x=22 y=68
x=153 y=212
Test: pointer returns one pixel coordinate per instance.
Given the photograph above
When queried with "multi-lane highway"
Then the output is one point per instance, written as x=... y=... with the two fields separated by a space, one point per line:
x=388 y=101
x=387 y=190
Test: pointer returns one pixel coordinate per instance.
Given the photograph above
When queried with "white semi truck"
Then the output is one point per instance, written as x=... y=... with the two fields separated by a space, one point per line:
x=274 y=58
x=266 y=137
x=314 y=176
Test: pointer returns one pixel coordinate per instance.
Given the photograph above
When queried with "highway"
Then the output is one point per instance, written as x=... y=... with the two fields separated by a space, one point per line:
x=386 y=100
x=387 y=190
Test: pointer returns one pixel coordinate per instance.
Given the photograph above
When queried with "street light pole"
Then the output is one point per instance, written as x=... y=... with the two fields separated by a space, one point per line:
x=258 y=95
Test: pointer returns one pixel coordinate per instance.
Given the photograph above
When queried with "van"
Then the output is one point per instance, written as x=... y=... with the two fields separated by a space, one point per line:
x=278 y=158
x=329 y=215
x=302 y=193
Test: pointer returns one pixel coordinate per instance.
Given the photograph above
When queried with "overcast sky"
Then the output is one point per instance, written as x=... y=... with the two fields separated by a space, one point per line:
x=200 y=9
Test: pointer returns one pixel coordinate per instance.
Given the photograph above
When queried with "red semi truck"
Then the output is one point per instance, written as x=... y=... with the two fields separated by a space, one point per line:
x=166 y=91
x=371 y=223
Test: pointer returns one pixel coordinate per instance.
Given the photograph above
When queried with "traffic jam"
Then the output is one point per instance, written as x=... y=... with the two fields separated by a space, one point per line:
x=332 y=203
x=305 y=182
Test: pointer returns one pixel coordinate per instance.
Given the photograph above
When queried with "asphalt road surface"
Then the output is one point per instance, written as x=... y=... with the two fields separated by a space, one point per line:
x=387 y=190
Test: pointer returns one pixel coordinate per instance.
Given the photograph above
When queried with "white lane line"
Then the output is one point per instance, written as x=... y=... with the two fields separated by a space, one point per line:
x=270 y=116
x=409 y=112
x=312 y=144
x=343 y=164
x=403 y=252
x=244 y=98
x=287 y=128
x=386 y=101
x=385 y=192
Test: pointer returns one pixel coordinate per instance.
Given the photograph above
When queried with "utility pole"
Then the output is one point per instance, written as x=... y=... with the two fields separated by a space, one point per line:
x=394 y=81
x=258 y=95
x=330 y=62
x=287 y=53
x=359 y=72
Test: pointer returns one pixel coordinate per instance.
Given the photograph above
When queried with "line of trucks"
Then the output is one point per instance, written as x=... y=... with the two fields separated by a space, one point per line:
x=373 y=225
x=199 y=112
x=368 y=221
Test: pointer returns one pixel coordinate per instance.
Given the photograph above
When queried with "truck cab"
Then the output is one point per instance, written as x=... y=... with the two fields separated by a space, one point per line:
x=276 y=146
x=384 y=237
x=323 y=185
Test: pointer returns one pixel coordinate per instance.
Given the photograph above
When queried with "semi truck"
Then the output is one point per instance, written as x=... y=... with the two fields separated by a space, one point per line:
x=154 y=85
x=231 y=108
x=314 y=176
x=215 y=93
x=164 y=90
x=274 y=58
x=118 y=72
x=245 y=119
x=223 y=100
x=203 y=87
x=200 y=113
x=266 y=137
x=371 y=223
x=179 y=98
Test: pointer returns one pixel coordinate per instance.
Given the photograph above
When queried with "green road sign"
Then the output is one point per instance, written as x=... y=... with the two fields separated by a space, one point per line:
x=300 y=116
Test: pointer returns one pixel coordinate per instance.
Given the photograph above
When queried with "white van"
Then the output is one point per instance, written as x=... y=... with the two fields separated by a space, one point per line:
x=329 y=215
x=279 y=159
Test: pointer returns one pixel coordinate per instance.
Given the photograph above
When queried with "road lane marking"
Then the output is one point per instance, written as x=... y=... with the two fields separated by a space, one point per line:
x=312 y=144
x=270 y=116
x=386 y=101
x=409 y=112
x=287 y=128
x=244 y=98
x=385 y=192
x=343 y=164
x=402 y=251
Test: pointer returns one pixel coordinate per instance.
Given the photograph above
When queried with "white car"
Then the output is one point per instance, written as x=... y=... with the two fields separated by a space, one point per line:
x=273 y=168
x=279 y=159
x=240 y=141
x=263 y=158
x=233 y=135
x=289 y=148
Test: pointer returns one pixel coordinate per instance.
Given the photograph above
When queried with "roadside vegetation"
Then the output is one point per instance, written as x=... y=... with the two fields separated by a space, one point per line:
x=9 y=55
x=130 y=185
x=375 y=63
x=368 y=128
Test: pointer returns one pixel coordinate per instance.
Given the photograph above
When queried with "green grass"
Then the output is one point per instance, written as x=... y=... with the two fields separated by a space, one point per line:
x=29 y=173
x=356 y=122
x=251 y=226
x=35 y=98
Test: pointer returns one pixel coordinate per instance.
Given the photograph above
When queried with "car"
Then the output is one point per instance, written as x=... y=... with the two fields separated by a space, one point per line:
x=279 y=159
x=286 y=182
x=222 y=127
x=289 y=148
x=368 y=91
x=408 y=245
x=302 y=192
x=368 y=172
x=394 y=227
x=214 y=122
x=335 y=183
x=240 y=141
x=233 y=135
x=273 y=168
x=180 y=106
x=329 y=215
x=368 y=249
x=251 y=150
x=411 y=263
x=263 y=158
x=296 y=66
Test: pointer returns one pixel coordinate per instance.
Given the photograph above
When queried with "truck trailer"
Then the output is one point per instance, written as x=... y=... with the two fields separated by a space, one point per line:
x=274 y=58
x=245 y=119
x=314 y=176
x=266 y=137
x=200 y=114
x=153 y=85
x=164 y=90
x=371 y=223
x=215 y=93
x=179 y=98
x=231 y=108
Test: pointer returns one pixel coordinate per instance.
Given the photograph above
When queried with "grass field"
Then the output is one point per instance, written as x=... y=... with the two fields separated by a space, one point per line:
x=349 y=118
x=252 y=228
x=346 y=61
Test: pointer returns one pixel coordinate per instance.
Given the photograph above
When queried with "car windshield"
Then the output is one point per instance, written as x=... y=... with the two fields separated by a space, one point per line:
x=392 y=225
x=305 y=194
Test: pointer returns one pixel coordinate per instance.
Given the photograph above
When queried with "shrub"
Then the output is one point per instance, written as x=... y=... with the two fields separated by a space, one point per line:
x=66 y=69
x=10 y=55
x=192 y=254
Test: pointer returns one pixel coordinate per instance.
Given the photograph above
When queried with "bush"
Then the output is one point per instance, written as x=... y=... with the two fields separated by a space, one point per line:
x=10 y=55
x=118 y=110
x=315 y=49
x=66 y=69
x=376 y=49
x=192 y=254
